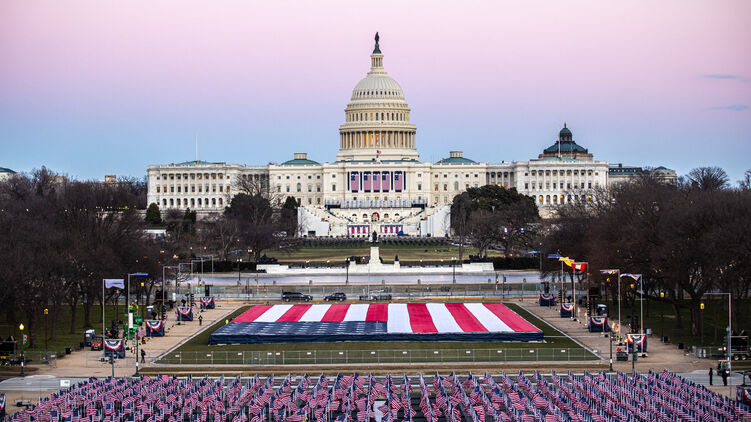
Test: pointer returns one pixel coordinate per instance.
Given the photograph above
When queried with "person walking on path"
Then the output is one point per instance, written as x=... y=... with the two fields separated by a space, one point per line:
x=711 y=373
x=143 y=356
x=724 y=375
x=200 y=320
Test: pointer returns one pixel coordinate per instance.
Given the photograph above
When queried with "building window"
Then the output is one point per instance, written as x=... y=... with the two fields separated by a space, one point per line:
x=278 y=188
x=287 y=188
x=310 y=188
x=456 y=185
x=299 y=187
x=333 y=188
x=318 y=201
x=436 y=187
x=445 y=187
x=419 y=186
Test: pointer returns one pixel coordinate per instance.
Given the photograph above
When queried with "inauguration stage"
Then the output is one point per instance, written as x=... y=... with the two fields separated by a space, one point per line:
x=377 y=322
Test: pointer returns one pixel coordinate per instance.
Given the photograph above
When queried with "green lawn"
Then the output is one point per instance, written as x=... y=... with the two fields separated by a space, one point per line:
x=387 y=252
x=714 y=316
x=557 y=347
x=64 y=337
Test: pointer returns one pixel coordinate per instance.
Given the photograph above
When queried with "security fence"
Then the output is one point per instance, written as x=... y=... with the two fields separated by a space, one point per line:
x=323 y=357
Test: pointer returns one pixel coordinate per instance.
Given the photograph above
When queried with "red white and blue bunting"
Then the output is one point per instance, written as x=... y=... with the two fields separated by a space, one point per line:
x=185 y=313
x=597 y=324
x=208 y=302
x=155 y=328
x=114 y=347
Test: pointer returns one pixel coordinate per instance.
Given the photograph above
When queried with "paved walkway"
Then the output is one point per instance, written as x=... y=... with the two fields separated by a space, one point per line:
x=86 y=363
x=661 y=355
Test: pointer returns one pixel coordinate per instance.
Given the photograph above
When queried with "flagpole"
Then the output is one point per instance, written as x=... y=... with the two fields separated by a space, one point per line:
x=102 y=316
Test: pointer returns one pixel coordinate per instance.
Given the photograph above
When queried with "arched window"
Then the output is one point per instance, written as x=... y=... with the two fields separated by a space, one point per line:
x=456 y=185
x=299 y=187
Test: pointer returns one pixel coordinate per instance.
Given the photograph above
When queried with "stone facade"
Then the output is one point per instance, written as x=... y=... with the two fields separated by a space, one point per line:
x=377 y=182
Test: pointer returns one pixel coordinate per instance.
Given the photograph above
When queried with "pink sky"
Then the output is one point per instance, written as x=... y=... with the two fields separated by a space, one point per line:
x=644 y=83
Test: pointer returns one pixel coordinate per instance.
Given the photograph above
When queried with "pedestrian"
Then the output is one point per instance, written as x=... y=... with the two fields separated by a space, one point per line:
x=724 y=375
x=711 y=373
x=200 y=319
x=143 y=356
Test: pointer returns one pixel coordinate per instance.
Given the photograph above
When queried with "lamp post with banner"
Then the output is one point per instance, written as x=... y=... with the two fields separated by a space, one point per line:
x=617 y=272
x=106 y=284
x=640 y=279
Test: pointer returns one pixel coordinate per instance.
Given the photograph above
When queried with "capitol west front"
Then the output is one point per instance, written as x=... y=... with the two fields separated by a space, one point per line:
x=377 y=182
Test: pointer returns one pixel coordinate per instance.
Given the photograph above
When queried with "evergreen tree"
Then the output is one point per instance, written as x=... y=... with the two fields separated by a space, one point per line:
x=153 y=216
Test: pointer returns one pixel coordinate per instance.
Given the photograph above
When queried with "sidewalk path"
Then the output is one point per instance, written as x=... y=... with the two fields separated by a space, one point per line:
x=661 y=356
x=85 y=363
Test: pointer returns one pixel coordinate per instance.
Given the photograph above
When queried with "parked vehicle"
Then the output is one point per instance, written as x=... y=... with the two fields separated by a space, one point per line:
x=296 y=296
x=739 y=349
x=88 y=337
x=97 y=343
x=376 y=296
x=335 y=297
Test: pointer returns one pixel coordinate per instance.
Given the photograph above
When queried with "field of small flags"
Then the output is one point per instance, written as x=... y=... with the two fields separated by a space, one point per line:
x=588 y=397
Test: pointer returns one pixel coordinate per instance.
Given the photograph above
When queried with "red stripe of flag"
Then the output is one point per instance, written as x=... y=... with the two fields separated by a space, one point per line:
x=294 y=313
x=510 y=318
x=377 y=312
x=420 y=319
x=466 y=320
x=252 y=314
x=335 y=313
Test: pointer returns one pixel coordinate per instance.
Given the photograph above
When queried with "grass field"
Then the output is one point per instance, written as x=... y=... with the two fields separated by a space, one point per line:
x=64 y=337
x=557 y=347
x=387 y=252
x=714 y=317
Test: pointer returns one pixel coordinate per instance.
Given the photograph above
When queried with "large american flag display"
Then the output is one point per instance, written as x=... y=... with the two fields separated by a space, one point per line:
x=373 y=322
x=535 y=398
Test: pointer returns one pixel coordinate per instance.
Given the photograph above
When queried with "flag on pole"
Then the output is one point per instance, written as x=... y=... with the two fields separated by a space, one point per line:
x=566 y=260
x=636 y=277
x=554 y=255
x=114 y=282
x=608 y=271
x=581 y=266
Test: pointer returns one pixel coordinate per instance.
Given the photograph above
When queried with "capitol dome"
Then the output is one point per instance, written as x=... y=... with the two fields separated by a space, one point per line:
x=377 y=86
x=377 y=125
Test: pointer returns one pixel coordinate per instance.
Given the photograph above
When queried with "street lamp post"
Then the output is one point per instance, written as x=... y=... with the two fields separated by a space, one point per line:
x=46 y=314
x=617 y=272
x=453 y=270
x=346 y=265
x=730 y=332
x=610 y=335
x=23 y=359
x=662 y=317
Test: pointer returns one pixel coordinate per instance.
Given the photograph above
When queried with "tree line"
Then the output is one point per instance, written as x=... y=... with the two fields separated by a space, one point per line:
x=686 y=240
x=62 y=237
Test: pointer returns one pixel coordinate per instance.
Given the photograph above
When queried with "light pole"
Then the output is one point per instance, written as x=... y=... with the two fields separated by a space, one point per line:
x=46 y=314
x=453 y=270
x=23 y=360
x=617 y=272
x=130 y=315
x=640 y=279
x=346 y=265
x=662 y=316
x=730 y=332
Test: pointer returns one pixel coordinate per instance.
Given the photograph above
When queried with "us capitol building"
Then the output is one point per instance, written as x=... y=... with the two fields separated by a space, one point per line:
x=377 y=182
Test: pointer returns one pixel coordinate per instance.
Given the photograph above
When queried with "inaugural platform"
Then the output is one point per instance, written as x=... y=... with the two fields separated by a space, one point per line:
x=377 y=322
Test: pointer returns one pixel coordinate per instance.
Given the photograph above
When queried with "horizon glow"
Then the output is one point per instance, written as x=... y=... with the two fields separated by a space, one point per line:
x=92 y=88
